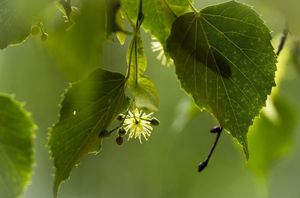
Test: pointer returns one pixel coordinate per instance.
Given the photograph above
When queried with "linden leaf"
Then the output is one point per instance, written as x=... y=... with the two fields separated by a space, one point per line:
x=16 y=148
x=159 y=15
x=65 y=7
x=16 y=17
x=142 y=88
x=77 y=49
x=224 y=59
x=88 y=107
x=270 y=137
x=114 y=17
x=295 y=55
x=185 y=111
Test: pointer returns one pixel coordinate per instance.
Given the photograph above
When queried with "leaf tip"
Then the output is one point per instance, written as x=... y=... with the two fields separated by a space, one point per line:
x=56 y=186
x=244 y=144
x=246 y=151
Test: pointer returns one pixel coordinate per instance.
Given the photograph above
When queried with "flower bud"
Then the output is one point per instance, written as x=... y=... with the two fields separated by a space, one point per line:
x=119 y=140
x=121 y=131
x=154 y=121
x=120 y=117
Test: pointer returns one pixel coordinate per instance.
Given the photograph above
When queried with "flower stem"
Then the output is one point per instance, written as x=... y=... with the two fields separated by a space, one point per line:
x=193 y=7
x=202 y=165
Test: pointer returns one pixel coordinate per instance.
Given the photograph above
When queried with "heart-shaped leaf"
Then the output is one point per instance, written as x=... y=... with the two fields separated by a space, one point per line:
x=16 y=147
x=159 y=15
x=16 y=17
x=270 y=137
x=224 y=59
x=88 y=107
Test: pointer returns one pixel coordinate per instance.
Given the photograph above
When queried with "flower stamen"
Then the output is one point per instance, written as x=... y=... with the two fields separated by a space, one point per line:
x=137 y=124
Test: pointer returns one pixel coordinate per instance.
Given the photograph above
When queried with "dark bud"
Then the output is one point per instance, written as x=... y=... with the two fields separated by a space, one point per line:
x=120 y=117
x=202 y=166
x=216 y=129
x=140 y=14
x=140 y=17
x=154 y=121
x=119 y=140
x=121 y=131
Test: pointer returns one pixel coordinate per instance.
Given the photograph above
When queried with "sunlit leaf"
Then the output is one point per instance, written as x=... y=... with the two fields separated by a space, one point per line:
x=77 y=49
x=142 y=88
x=16 y=148
x=65 y=7
x=88 y=108
x=115 y=20
x=295 y=55
x=185 y=111
x=270 y=138
x=224 y=59
x=16 y=17
x=112 y=16
x=271 y=135
x=159 y=15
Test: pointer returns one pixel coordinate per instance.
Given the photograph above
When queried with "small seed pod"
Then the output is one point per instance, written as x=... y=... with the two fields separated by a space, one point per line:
x=120 y=117
x=216 y=129
x=119 y=140
x=154 y=121
x=121 y=131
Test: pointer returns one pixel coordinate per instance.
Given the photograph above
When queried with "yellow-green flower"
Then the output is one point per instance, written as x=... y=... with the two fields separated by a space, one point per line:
x=138 y=124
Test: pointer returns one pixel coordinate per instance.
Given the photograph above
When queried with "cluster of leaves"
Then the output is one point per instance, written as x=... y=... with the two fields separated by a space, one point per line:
x=223 y=58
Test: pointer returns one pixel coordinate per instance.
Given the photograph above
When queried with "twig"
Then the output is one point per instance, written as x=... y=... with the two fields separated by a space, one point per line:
x=282 y=41
x=202 y=165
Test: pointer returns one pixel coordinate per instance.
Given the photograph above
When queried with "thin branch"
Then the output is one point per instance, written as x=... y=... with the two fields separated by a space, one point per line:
x=130 y=57
x=282 y=41
x=136 y=61
x=202 y=165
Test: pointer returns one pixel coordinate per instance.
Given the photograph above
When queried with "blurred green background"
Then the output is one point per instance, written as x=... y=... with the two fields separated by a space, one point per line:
x=166 y=165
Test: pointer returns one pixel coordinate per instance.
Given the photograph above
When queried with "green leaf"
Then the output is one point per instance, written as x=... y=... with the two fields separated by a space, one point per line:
x=142 y=88
x=159 y=15
x=115 y=20
x=295 y=55
x=77 y=49
x=65 y=7
x=271 y=136
x=88 y=107
x=16 y=17
x=113 y=16
x=224 y=59
x=185 y=111
x=16 y=147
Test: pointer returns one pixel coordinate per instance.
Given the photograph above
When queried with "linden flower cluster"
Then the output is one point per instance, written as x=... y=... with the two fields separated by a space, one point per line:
x=138 y=124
